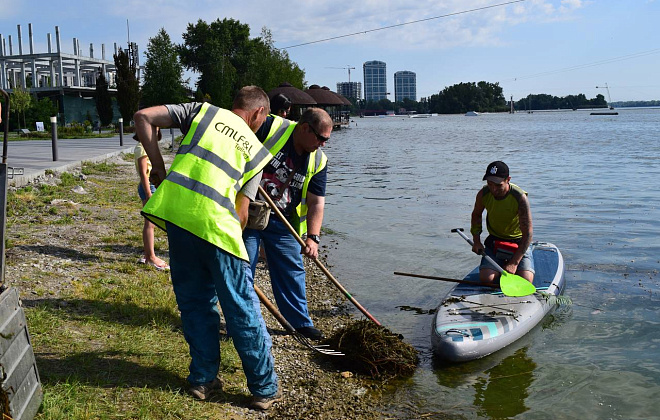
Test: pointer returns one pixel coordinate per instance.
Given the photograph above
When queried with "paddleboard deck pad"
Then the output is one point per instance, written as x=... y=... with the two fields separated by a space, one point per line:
x=474 y=321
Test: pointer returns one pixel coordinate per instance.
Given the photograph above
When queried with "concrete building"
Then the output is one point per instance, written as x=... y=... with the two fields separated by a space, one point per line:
x=350 y=89
x=405 y=85
x=375 y=80
x=68 y=79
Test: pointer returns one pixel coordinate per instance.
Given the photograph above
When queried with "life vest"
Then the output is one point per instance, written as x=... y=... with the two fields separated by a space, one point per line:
x=279 y=134
x=216 y=157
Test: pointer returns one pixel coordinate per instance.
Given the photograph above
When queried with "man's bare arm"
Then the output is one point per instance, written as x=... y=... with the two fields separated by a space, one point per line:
x=525 y=219
x=146 y=121
x=316 y=204
x=476 y=220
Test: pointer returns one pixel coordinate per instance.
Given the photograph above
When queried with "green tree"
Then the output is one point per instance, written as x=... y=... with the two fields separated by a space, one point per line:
x=41 y=110
x=163 y=72
x=386 y=104
x=128 y=88
x=103 y=100
x=470 y=96
x=544 y=101
x=599 y=100
x=220 y=52
x=269 y=66
x=20 y=102
x=227 y=59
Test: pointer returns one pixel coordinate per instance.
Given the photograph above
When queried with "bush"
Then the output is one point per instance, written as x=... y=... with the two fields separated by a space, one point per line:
x=72 y=129
x=127 y=128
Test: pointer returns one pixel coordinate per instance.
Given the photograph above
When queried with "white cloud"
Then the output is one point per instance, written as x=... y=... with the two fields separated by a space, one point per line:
x=569 y=5
x=304 y=21
x=327 y=19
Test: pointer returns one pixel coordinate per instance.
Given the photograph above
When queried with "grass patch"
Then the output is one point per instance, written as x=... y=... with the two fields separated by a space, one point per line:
x=104 y=167
x=106 y=331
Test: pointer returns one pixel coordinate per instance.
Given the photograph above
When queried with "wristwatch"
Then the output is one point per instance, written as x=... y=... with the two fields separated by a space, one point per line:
x=315 y=238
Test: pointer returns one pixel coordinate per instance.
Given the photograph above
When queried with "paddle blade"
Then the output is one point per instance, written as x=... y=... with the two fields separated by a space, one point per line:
x=513 y=285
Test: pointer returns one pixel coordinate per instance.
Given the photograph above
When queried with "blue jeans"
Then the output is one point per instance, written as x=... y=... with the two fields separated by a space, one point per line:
x=203 y=275
x=249 y=277
x=142 y=194
x=285 y=265
x=526 y=263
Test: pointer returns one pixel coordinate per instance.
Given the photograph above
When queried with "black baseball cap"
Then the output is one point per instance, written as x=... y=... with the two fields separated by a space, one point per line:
x=496 y=172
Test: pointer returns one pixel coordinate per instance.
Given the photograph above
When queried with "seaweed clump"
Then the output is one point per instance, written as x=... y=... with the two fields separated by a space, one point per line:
x=373 y=350
x=4 y=403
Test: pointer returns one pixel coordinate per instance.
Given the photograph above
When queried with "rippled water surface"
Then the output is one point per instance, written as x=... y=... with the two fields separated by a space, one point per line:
x=397 y=186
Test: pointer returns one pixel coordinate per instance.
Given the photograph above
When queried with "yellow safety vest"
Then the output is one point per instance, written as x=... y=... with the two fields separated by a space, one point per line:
x=217 y=156
x=279 y=134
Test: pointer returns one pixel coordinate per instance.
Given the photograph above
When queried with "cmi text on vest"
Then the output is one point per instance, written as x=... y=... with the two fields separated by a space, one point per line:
x=242 y=145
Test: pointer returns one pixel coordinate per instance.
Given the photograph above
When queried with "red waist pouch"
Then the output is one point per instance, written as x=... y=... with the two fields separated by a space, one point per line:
x=504 y=250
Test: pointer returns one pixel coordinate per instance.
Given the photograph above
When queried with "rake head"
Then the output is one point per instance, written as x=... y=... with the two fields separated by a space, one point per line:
x=319 y=348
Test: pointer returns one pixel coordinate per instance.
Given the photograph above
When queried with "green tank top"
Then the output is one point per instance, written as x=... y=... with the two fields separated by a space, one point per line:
x=502 y=217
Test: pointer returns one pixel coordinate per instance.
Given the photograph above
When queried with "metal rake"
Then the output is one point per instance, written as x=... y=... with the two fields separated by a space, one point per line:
x=319 y=348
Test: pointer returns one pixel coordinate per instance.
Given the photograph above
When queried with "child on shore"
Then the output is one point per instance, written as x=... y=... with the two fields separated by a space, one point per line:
x=145 y=189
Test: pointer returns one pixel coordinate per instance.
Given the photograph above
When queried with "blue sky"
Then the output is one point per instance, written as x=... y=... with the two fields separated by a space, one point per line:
x=558 y=47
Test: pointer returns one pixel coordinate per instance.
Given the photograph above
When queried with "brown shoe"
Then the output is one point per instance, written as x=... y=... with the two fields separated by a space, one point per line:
x=205 y=391
x=264 y=403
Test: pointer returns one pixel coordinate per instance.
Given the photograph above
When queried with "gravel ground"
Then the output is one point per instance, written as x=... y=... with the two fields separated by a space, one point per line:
x=313 y=387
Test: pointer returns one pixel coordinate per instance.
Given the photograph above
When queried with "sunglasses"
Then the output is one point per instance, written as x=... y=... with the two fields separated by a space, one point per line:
x=319 y=137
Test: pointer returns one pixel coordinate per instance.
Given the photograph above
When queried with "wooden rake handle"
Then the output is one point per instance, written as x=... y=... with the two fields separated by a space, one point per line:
x=316 y=261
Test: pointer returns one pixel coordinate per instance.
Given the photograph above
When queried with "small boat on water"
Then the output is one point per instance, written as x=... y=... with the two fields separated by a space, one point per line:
x=471 y=114
x=473 y=321
x=420 y=115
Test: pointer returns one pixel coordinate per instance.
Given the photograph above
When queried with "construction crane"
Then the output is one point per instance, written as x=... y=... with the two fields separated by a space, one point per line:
x=348 y=67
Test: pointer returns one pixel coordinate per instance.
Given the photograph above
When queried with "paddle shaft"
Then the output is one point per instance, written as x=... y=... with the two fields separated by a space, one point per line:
x=511 y=284
x=422 y=276
x=489 y=259
x=316 y=261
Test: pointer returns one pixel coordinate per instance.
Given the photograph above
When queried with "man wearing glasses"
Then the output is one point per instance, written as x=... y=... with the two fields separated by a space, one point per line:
x=295 y=180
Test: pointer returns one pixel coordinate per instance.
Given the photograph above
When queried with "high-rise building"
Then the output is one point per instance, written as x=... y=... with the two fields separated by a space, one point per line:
x=375 y=81
x=405 y=85
x=350 y=89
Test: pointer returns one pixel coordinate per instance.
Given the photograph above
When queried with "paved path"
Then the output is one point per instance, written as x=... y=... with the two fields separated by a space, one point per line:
x=36 y=156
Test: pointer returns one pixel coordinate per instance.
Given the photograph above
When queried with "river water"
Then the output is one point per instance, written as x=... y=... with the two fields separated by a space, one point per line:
x=397 y=186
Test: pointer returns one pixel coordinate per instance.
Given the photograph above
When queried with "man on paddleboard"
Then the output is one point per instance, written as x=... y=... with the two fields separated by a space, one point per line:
x=509 y=224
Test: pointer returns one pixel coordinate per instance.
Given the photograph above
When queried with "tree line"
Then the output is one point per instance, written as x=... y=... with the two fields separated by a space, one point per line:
x=483 y=97
x=625 y=104
x=456 y=99
x=545 y=102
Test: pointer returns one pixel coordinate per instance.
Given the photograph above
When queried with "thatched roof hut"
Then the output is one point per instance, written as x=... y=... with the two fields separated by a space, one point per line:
x=324 y=96
x=295 y=95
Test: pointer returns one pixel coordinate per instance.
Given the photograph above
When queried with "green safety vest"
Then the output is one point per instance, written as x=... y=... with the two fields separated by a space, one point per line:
x=217 y=156
x=279 y=134
x=502 y=215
